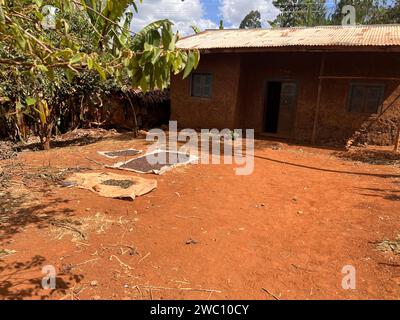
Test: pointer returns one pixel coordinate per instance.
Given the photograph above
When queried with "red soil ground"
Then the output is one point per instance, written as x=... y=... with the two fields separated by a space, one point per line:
x=288 y=229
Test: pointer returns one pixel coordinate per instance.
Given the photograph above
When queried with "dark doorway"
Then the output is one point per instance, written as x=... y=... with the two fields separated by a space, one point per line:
x=274 y=90
x=280 y=107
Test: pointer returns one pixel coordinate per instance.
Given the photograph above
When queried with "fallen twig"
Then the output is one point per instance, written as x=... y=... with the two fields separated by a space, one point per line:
x=96 y=162
x=189 y=217
x=131 y=248
x=271 y=294
x=121 y=263
x=83 y=263
x=301 y=268
x=144 y=257
x=69 y=227
x=147 y=287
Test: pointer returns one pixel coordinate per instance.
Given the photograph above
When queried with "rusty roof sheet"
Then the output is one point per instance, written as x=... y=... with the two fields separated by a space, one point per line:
x=326 y=36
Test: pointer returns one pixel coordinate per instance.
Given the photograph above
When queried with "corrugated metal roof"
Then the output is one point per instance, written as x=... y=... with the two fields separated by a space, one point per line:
x=373 y=35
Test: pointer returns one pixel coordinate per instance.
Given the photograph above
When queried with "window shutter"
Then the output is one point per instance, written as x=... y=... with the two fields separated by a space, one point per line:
x=196 y=86
x=357 y=95
x=201 y=85
x=373 y=99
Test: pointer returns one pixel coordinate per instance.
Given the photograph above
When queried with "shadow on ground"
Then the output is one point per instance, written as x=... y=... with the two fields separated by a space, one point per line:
x=392 y=195
x=23 y=280
x=18 y=211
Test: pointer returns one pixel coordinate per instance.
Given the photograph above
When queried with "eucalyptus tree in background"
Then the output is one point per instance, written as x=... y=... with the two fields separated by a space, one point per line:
x=251 y=21
x=369 y=11
x=394 y=12
x=42 y=58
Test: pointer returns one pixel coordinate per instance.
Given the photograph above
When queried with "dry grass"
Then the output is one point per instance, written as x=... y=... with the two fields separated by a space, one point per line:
x=79 y=229
x=390 y=246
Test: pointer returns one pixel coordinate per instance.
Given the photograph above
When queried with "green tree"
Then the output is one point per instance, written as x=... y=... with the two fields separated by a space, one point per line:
x=367 y=11
x=393 y=13
x=251 y=21
x=296 y=13
x=43 y=59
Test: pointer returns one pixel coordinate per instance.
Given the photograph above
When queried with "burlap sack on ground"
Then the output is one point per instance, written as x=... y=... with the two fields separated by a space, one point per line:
x=112 y=185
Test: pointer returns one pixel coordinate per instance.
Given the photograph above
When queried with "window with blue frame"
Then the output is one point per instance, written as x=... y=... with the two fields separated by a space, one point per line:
x=201 y=85
x=366 y=98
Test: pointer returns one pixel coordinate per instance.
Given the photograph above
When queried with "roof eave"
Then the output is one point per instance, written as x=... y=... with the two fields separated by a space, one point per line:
x=301 y=49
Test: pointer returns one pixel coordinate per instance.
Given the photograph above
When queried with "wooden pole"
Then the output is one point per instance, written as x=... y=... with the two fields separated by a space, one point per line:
x=397 y=142
x=316 y=116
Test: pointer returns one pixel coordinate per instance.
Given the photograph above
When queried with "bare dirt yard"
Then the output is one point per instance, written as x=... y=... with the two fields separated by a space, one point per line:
x=284 y=232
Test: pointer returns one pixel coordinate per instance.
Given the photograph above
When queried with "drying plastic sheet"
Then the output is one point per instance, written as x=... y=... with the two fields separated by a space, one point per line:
x=142 y=165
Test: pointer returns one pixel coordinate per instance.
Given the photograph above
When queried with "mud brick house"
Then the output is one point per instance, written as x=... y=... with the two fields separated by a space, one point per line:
x=319 y=84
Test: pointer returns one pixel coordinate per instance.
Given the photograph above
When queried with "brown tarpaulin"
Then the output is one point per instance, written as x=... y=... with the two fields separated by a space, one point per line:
x=112 y=185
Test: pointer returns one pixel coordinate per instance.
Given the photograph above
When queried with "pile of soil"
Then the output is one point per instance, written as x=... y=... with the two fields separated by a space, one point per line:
x=81 y=134
x=381 y=131
x=4 y=178
x=124 y=184
x=7 y=150
x=371 y=156
x=389 y=246
x=122 y=153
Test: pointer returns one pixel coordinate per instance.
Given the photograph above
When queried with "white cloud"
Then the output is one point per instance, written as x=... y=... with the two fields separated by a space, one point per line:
x=234 y=11
x=182 y=13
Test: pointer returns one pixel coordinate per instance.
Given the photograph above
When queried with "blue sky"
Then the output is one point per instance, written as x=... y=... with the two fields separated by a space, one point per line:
x=204 y=14
x=211 y=8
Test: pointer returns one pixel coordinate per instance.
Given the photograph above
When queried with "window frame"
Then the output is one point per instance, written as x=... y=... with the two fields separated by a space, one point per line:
x=192 y=79
x=364 y=85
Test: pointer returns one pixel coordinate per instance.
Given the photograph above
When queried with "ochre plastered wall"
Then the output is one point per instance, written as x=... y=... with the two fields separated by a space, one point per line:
x=238 y=98
x=218 y=111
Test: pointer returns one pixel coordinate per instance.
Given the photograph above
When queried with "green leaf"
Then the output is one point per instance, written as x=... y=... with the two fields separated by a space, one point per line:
x=2 y=17
x=189 y=65
x=30 y=101
x=143 y=84
x=167 y=36
x=156 y=56
x=100 y=71
x=19 y=105
x=90 y=63
x=39 y=3
x=140 y=37
x=66 y=53
x=75 y=59
x=196 y=54
x=42 y=68
x=70 y=75
x=66 y=26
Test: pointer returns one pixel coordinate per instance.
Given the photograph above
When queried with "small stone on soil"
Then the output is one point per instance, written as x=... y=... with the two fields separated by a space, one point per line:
x=191 y=241
x=94 y=283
